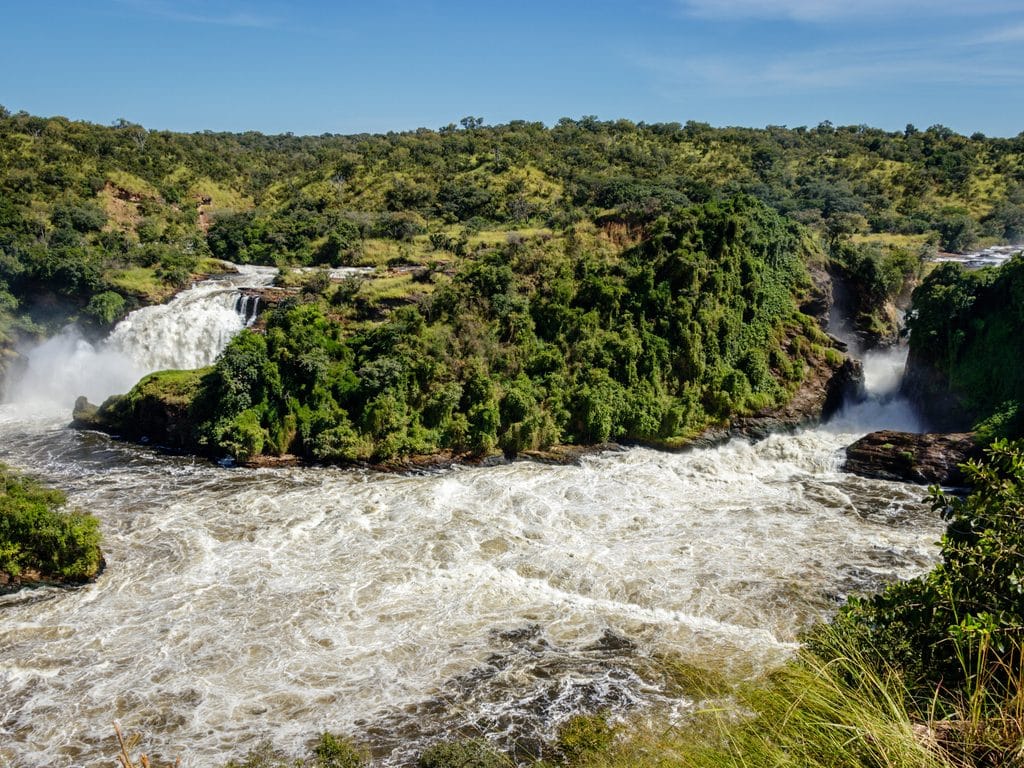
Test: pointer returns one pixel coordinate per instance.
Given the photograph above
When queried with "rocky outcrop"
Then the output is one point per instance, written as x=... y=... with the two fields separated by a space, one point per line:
x=820 y=395
x=915 y=458
x=157 y=410
x=818 y=301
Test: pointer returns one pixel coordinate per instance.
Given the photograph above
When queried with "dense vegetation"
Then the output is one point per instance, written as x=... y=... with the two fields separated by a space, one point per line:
x=965 y=333
x=529 y=345
x=40 y=540
x=584 y=282
x=97 y=219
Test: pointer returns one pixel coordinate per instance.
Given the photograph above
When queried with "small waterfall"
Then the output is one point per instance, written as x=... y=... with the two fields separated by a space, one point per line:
x=883 y=407
x=187 y=332
x=247 y=307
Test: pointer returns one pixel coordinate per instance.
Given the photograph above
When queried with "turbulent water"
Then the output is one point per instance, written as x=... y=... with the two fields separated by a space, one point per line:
x=994 y=256
x=241 y=604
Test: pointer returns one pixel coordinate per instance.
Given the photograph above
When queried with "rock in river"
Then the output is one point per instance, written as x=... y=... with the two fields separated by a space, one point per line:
x=910 y=457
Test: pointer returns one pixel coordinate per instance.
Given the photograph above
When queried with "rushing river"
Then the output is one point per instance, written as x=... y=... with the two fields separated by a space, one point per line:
x=243 y=604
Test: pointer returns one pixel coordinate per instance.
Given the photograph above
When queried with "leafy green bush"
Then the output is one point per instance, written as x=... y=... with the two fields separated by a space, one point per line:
x=333 y=751
x=106 y=307
x=35 y=534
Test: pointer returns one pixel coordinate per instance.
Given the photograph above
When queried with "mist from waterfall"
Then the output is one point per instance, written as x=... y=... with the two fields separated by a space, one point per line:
x=187 y=332
x=882 y=406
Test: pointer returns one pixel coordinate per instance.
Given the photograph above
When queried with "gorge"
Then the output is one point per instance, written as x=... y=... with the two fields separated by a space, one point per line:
x=239 y=604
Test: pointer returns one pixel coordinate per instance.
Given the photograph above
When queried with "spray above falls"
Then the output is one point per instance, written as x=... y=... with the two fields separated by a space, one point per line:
x=187 y=332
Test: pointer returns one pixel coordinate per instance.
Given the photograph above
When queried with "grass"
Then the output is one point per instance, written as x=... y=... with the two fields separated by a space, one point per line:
x=400 y=287
x=222 y=198
x=172 y=386
x=910 y=242
x=140 y=281
x=840 y=709
x=837 y=712
x=133 y=184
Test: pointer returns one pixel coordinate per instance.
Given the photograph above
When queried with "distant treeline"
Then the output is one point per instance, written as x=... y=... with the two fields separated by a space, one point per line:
x=104 y=217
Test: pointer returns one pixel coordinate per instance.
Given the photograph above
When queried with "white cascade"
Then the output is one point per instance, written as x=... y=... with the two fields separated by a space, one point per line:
x=187 y=332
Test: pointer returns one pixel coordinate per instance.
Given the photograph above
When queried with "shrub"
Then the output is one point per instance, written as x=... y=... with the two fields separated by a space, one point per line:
x=337 y=752
x=36 y=534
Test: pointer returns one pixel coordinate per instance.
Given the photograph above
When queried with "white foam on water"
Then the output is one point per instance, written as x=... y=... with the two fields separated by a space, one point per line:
x=994 y=256
x=883 y=407
x=239 y=604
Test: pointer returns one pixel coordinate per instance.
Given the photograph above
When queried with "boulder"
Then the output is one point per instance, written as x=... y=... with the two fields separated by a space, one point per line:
x=157 y=410
x=915 y=458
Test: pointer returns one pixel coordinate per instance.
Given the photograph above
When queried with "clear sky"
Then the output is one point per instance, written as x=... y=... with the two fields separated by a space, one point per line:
x=312 y=66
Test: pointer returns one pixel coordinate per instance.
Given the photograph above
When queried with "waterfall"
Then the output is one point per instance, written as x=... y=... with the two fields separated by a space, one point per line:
x=883 y=406
x=187 y=332
x=247 y=307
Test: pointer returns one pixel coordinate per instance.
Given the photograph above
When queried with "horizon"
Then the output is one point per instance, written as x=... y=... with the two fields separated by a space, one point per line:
x=313 y=68
x=454 y=124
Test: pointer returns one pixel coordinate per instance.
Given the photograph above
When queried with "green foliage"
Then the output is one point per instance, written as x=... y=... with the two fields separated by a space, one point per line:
x=333 y=751
x=84 y=207
x=466 y=753
x=330 y=751
x=965 y=326
x=958 y=232
x=106 y=307
x=35 y=534
x=527 y=345
x=583 y=736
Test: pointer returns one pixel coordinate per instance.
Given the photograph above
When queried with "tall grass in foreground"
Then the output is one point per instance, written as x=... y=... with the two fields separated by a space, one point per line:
x=843 y=712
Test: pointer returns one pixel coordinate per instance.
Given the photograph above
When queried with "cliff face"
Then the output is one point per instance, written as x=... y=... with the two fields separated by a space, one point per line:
x=820 y=395
x=929 y=388
x=965 y=340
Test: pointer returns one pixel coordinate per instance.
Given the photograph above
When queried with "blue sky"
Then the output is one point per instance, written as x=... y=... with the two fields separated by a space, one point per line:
x=314 y=67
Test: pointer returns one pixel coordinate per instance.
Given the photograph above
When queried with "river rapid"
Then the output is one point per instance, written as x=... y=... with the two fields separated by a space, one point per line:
x=243 y=604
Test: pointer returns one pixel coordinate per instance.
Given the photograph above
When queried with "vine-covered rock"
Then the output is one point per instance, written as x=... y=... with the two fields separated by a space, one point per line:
x=524 y=347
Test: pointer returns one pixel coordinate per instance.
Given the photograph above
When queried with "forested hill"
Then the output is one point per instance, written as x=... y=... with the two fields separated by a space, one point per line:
x=95 y=219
